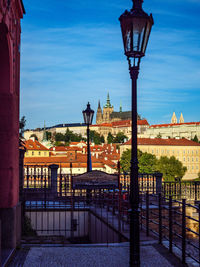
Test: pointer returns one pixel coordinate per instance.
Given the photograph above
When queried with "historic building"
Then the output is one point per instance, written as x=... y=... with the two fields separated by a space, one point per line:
x=175 y=129
x=35 y=149
x=73 y=158
x=108 y=114
x=186 y=151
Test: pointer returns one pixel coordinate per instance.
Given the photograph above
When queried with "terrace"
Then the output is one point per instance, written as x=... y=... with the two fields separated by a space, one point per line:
x=66 y=215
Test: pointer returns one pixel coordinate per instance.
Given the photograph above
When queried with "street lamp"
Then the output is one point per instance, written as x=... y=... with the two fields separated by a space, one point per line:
x=88 y=117
x=136 y=27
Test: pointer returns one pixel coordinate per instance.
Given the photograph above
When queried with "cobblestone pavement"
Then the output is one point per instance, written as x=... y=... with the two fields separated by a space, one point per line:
x=116 y=255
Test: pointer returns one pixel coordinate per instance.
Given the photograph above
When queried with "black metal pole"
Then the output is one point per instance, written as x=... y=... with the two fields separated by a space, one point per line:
x=88 y=148
x=134 y=187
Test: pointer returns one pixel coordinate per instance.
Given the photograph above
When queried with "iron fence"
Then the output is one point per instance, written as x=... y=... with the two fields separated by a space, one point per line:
x=175 y=223
x=54 y=212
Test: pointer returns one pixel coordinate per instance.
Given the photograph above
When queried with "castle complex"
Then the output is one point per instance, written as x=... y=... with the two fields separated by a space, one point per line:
x=109 y=115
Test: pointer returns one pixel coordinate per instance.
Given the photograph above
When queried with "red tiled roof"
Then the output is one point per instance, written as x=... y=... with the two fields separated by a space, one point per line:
x=171 y=124
x=58 y=148
x=34 y=145
x=164 y=142
x=122 y=123
x=81 y=161
x=142 y=122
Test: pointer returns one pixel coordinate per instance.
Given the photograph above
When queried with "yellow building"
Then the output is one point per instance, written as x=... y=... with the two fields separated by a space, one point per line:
x=35 y=149
x=186 y=151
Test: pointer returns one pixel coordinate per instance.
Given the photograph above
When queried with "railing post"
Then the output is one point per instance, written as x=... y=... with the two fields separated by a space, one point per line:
x=54 y=177
x=158 y=176
x=199 y=229
x=147 y=213
x=195 y=191
x=170 y=224
x=160 y=218
x=183 y=231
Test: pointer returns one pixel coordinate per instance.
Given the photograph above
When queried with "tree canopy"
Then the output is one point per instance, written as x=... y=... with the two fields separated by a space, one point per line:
x=96 y=138
x=195 y=139
x=110 y=138
x=171 y=168
x=120 y=138
x=146 y=162
x=35 y=136
x=68 y=137
x=22 y=124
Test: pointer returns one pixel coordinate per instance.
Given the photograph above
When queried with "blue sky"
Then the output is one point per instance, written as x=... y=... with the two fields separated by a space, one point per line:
x=72 y=53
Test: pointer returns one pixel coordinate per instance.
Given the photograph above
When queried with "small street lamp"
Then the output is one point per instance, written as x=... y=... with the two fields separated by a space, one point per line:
x=88 y=117
x=136 y=27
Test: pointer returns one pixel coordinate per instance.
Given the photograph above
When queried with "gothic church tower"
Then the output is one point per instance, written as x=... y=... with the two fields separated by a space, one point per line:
x=99 y=116
x=107 y=110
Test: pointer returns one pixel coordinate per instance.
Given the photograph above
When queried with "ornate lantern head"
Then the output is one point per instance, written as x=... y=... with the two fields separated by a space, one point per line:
x=88 y=115
x=136 y=28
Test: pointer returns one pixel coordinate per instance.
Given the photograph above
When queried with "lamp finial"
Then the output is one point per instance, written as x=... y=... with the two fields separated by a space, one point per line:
x=137 y=4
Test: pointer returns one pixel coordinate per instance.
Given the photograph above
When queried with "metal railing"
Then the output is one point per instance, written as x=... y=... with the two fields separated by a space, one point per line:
x=53 y=210
x=175 y=223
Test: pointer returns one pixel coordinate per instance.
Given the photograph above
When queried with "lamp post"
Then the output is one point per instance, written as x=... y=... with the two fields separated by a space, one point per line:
x=88 y=117
x=136 y=27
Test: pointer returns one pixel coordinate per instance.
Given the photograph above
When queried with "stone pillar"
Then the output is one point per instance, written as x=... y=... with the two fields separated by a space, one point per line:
x=158 y=176
x=10 y=212
x=54 y=178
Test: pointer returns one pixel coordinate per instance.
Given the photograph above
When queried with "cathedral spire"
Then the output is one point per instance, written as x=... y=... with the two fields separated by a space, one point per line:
x=99 y=106
x=108 y=105
x=181 y=120
x=174 y=118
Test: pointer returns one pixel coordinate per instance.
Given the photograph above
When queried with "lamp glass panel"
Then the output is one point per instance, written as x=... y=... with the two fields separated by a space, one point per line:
x=128 y=41
x=146 y=36
x=138 y=34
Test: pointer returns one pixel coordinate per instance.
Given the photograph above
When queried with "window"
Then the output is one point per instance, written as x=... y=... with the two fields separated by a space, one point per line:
x=39 y=153
x=32 y=153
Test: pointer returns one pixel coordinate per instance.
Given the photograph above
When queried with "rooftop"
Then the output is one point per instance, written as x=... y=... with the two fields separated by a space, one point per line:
x=164 y=142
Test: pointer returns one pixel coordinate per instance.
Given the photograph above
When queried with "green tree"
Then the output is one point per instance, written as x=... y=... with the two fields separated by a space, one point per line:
x=125 y=160
x=34 y=136
x=48 y=134
x=147 y=163
x=195 y=139
x=96 y=138
x=120 y=137
x=110 y=138
x=22 y=124
x=159 y=135
x=171 y=168
x=59 y=137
